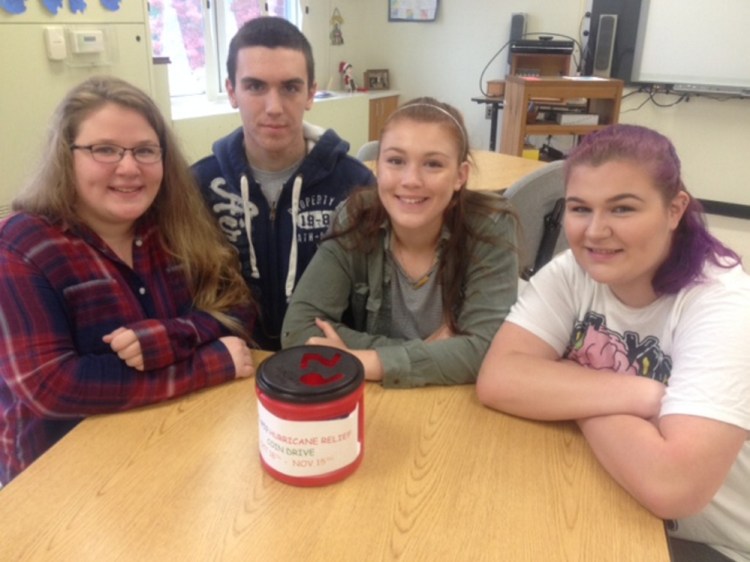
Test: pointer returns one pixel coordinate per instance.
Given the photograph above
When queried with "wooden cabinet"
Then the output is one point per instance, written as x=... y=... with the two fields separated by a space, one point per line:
x=380 y=108
x=601 y=97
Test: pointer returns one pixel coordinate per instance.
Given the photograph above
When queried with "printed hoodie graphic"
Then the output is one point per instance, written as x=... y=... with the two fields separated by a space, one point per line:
x=275 y=245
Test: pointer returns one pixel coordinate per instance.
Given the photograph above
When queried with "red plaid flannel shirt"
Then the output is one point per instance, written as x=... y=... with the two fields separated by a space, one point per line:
x=61 y=290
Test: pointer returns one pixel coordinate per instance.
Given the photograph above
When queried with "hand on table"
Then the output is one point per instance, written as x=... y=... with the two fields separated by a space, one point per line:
x=241 y=356
x=368 y=357
x=330 y=338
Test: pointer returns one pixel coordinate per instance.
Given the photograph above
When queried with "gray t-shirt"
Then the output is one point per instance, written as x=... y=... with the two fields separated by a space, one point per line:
x=416 y=307
x=271 y=183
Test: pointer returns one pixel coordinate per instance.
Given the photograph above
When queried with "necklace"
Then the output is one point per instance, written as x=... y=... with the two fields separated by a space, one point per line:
x=417 y=281
x=423 y=280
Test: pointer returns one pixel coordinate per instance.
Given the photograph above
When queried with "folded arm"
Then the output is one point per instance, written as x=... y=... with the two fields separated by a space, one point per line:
x=327 y=288
x=673 y=467
x=45 y=365
x=523 y=375
x=155 y=343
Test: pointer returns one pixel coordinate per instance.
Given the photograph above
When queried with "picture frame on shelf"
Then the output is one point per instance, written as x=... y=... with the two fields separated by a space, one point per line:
x=377 y=79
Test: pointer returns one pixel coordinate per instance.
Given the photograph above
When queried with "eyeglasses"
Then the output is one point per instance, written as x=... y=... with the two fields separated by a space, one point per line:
x=111 y=153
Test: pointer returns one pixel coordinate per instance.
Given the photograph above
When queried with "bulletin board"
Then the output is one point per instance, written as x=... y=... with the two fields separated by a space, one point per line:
x=412 y=10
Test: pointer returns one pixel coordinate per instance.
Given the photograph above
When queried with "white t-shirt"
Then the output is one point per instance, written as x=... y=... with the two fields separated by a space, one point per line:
x=697 y=342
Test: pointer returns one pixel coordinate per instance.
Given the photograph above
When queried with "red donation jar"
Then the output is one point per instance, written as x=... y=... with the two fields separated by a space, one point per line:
x=310 y=414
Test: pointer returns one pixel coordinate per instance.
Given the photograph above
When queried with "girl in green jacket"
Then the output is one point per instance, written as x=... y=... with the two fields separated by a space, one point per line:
x=418 y=273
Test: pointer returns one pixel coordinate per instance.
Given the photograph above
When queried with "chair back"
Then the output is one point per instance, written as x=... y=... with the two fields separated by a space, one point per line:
x=368 y=151
x=536 y=199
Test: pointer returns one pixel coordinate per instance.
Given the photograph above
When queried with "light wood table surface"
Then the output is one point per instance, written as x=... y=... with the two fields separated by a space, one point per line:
x=494 y=171
x=442 y=478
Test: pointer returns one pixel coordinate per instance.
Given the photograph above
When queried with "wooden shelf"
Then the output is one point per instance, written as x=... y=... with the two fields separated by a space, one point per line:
x=539 y=64
x=544 y=129
x=602 y=97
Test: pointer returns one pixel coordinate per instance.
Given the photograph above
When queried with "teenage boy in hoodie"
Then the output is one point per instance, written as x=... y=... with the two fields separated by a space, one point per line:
x=275 y=183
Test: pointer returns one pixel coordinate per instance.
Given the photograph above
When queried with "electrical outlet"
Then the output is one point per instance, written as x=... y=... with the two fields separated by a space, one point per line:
x=488 y=111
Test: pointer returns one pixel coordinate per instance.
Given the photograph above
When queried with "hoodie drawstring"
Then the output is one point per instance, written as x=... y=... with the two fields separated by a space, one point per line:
x=245 y=192
x=292 y=271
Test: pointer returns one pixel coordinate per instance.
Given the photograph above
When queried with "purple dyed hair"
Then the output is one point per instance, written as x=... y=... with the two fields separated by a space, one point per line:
x=692 y=244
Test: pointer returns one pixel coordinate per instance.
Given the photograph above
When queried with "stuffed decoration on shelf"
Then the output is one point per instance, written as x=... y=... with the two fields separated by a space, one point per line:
x=347 y=76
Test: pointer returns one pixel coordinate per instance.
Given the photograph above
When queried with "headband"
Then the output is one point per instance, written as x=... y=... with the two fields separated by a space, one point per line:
x=441 y=110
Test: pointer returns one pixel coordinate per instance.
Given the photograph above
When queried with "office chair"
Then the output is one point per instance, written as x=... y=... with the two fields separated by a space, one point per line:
x=539 y=200
x=368 y=151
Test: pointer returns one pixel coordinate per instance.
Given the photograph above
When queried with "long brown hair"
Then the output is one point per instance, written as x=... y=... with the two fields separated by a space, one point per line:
x=365 y=215
x=187 y=230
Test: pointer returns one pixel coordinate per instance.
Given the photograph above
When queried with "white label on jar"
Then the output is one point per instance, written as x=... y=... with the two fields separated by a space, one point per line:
x=308 y=448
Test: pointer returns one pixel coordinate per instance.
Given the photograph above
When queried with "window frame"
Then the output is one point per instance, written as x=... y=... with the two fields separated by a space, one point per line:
x=216 y=17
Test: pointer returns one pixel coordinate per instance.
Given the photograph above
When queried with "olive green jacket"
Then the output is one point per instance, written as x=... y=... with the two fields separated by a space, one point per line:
x=352 y=291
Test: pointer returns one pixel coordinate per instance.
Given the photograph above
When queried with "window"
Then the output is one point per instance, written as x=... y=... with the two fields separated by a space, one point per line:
x=195 y=35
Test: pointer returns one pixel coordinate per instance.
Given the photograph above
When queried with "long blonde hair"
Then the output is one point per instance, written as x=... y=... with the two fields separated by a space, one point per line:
x=187 y=230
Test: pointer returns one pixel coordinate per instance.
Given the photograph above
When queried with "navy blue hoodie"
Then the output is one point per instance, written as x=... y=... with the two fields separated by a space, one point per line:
x=284 y=240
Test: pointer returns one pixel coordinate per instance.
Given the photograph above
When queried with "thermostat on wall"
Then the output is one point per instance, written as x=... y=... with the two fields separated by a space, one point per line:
x=87 y=41
x=54 y=40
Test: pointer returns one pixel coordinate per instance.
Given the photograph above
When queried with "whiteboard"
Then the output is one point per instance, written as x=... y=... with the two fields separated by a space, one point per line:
x=694 y=43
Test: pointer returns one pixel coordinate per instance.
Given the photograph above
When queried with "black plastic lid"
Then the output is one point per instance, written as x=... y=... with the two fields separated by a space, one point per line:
x=309 y=374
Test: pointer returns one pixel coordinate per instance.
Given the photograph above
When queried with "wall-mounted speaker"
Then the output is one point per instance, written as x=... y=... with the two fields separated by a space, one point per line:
x=517 y=28
x=605 y=45
x=628 y=13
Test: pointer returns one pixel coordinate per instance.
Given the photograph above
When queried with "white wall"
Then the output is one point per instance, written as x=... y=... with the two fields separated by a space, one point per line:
x=712 y=139
x=32 y=85
x=443 y=59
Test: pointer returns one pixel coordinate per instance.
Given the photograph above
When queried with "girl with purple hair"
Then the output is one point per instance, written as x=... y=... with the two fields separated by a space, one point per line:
x=639 y=332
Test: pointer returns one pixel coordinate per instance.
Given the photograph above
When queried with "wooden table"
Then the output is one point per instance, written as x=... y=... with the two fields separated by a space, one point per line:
x=494 y=171
x=442 y=478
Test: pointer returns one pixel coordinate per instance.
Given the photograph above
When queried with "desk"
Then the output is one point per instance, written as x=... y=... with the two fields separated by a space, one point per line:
x=494 y=171
x=442 y=478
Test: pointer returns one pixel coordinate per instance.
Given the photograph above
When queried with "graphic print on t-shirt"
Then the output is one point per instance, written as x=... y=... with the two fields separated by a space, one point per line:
x=594 y=345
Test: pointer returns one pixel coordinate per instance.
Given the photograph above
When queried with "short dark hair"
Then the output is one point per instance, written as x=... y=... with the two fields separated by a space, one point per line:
x=271 y=32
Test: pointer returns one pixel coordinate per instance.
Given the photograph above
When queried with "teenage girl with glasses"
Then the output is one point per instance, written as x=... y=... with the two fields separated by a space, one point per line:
x=116 y=288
